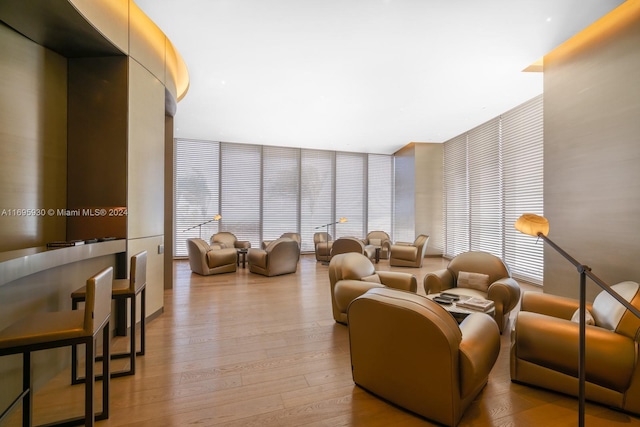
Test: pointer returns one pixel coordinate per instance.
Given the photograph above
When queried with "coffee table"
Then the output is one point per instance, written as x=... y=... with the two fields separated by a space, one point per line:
x=242 y=256
x=460 y=313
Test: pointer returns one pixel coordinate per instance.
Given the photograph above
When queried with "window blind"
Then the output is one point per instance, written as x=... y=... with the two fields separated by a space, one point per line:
x=485 y=188
x=240 y=178
x=456 y=193
x=351 y=194
x=317 y=194
x=523 y=147
x=380 y=185
x=492 y=175
x=280 y=191
x=196 y=191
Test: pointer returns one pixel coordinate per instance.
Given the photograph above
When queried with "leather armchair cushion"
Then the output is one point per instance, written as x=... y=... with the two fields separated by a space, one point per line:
x=220 y=257
x=374 y=278
x=375 y=242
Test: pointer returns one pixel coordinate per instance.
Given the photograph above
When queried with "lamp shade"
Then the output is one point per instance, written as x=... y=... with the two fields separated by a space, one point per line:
x=532 y=224
x=218 y=217
x=342 y=220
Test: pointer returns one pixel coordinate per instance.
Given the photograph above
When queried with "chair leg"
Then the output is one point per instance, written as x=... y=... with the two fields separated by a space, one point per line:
x=143 y=315
x=74 y=354
x=106 y=373
x=89 y=382
x=27 y=400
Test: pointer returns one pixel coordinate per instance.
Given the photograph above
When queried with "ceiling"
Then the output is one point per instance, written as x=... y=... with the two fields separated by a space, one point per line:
x=359 y=75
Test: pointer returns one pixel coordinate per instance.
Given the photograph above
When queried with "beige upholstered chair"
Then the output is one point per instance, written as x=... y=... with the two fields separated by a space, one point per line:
x=41 y=331
x=344 y=245
x=294 y=236
x=352 y=274
x=229 y=240
x=381 y=239
x=403 y=254
x=410 y=351
x=544 y=347
x=206 y=260
x=280 y=257
x=322 y=244
x=478 y=274
x=125 y=291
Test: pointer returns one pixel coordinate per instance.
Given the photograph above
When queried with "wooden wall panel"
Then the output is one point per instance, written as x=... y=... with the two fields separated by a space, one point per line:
x=145 y=154
x=429 y=195
x=591 y=157
x=33 y=141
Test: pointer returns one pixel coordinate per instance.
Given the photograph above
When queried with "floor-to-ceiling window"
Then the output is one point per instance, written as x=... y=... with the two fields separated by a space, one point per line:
x=492 y=175
x=264 y=191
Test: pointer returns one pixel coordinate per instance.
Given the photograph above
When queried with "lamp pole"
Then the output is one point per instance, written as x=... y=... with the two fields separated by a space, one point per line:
x=215 y=218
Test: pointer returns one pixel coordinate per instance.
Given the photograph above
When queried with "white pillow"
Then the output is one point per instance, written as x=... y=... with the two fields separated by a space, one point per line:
x=477 y=281
x=375 y=242
x=587 y=317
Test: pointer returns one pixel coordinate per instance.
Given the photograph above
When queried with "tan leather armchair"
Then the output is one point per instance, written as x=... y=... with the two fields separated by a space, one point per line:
x=322 y=244
x=381 y=239
x=403 y=254
x=484 y=275
x=344 y=245
x=352 y=274
x=280 y=257
x=226 y=239
x=206 y=260
x=544 y=347
x=294 y=236
x=410 y=351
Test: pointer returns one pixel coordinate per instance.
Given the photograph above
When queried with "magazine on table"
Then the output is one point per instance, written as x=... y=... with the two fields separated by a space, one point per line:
x=475 y=303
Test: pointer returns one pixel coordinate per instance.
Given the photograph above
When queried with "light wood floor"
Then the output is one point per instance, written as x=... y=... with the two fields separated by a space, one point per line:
x=241 y=349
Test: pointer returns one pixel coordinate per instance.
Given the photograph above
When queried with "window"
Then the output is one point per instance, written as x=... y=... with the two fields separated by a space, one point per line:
x=264 y=191
x=493 y=174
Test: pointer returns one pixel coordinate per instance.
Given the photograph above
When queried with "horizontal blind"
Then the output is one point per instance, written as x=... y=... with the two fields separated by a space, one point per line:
x=485 y=188
x=456 y=193
x=523 y=144
x=280 y=191
x=380 y=184
x=196 y=191
x=350 y=194
x=240 y=177
x=316 y=180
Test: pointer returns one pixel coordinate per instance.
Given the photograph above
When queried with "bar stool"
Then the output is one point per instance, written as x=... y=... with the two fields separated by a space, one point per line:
x=122 y=289
x=43 y=331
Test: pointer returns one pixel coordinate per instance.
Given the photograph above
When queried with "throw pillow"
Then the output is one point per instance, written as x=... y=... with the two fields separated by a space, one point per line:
x=375 y=242
x=589 y=320
x=374 y=278
x=477 y=281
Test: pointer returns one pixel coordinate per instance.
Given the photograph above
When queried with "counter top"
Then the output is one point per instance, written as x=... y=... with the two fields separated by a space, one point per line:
x=23 y=262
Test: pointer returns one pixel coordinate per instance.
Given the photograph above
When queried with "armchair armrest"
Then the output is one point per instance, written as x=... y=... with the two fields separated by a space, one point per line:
x=553 y=343
x=478 y=350
x=242 y=244
x=550 y=305
x=437 y=281
x=505 y=292
x=399 y=280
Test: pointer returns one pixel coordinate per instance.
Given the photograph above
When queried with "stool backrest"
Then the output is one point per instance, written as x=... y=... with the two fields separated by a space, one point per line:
x=138 y=273
x=98 y=302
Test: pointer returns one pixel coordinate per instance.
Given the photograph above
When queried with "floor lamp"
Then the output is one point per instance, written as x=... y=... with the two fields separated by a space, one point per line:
x=340 y=221
x=218 y=217
x=536 y=225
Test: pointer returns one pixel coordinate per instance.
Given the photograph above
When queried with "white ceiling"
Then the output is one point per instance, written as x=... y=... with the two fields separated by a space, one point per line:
x=359 y=75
